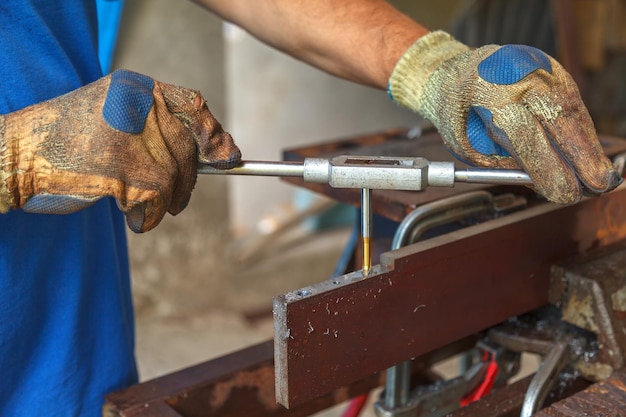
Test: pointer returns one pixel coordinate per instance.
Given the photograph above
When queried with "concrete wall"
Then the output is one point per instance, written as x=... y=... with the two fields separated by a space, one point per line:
x=177 y=267
x=268 y=102
x=275 y=102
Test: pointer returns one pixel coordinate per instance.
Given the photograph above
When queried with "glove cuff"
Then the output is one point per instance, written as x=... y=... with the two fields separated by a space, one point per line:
x=7 y=200
x=414 y=69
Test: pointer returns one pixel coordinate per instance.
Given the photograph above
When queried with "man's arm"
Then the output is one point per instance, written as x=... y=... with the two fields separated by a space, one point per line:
x=359 y=40
x=505 y=107
x=125 y=135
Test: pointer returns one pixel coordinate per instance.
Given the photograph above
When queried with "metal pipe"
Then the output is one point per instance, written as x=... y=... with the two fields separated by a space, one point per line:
x=448 y=209
x=397 y=385
x=539 y=388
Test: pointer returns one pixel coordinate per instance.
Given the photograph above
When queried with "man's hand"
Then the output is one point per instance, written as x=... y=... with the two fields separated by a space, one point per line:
x=507 y=106
x=125 y=135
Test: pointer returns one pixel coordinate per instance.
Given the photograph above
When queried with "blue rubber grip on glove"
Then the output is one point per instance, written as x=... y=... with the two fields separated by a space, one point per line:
x=128 y=101
x=126 y=107
x=512 y=63
x=480 y=129
x=56 y=204
x=508 y=65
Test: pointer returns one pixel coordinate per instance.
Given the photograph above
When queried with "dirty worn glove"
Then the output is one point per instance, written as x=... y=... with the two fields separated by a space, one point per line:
x=509 y=107
x=125 y=135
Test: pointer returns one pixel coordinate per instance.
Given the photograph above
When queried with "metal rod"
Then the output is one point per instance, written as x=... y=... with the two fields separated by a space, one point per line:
x=397 y=385
x=296 y=169
x=492 y=176
x=545 y=378
x=258 y=168
x=366 y=228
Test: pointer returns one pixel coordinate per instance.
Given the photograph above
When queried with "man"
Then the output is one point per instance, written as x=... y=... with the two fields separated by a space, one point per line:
x=66 y=325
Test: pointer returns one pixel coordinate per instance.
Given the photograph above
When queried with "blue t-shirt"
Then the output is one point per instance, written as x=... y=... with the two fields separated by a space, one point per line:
x=66 y=320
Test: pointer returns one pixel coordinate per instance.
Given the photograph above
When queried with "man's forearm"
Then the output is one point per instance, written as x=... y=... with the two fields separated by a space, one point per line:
x=359 y=40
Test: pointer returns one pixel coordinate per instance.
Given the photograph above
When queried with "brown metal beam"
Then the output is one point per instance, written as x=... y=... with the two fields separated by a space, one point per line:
x=214 y=378
x=429 y=294
x=590 y=292
x=508 y=401
x=242 y=383
x=605 y=398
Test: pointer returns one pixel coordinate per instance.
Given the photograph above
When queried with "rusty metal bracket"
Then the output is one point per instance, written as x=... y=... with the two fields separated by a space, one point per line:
x=592 y=294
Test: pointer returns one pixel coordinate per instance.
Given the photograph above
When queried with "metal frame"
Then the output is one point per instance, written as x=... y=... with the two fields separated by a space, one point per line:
x=242 y=383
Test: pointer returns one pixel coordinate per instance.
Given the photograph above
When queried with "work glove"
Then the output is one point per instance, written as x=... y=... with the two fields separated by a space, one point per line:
x=125 y=135
x=508 y=107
